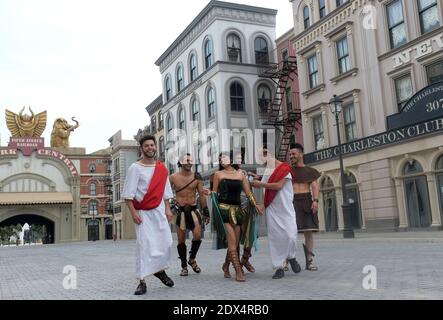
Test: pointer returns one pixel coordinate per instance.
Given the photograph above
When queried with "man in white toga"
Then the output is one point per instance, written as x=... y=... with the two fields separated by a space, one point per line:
x=147 y=192
x=280 y=214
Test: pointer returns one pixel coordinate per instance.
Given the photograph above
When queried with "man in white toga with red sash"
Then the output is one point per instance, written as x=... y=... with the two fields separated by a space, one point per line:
x=147 y=192
x=280 y=213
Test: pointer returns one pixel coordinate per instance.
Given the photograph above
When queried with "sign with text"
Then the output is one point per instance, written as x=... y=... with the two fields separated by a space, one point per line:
x=425 y=105
x=26 y=145
x=378 y=140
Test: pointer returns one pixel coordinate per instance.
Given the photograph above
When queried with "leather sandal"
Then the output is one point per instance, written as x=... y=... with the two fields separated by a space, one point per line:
x=194 y=266
x=184 y=272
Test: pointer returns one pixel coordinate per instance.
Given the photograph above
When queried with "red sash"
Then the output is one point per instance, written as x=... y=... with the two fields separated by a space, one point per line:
x=279 y=173
x=154 y=195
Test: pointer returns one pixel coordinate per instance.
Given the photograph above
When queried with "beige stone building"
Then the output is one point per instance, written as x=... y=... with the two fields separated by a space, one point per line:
x=375 y=55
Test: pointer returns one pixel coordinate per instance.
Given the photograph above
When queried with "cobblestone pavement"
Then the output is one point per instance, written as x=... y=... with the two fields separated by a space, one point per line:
x=408 y=265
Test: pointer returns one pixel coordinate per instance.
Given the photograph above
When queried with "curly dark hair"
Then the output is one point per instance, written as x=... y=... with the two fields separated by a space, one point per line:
x=231 y=158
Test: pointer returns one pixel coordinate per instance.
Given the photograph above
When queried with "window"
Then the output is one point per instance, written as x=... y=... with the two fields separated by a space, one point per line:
x=261 y=51
x=160 y=120
x=343 y=56
x=181 y=119
x=92 y=168
x=193 y=67
x=93 y=207
x=264 y=98
x=313 y=71
x=169 y=124
x=153 y=124
x=350 y=123
x=116 y=165
x=403 y=88
x=180 y=82
x=108 y=189
x=234 y=48
x=428 y=12
x=396 y=24
x=288 y=94
x=285 y=55
x=306 y=18
x=322 y=8
x=211 y=103
x=195 y=110
x=338 y=3
x=92 y=189
x=109 y=207
x=435 y=72
x=161 y=144
x=208 y=54
x=318 y=132
x=237 y=97
x=117 y=192
x=168 y=88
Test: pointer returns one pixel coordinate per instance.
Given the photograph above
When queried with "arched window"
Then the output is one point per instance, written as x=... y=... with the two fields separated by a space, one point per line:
x=169 y=124
x=237 y=97
x=306 y=18
x=168 y=88
x=181 y=119
x=180 y=81
x=233 y=44
x=211 y=103
x=261 y=51
x=439 y=165
x=92 y=168
x=193 y=67
x=195 y=110
x=208 y=54
x=353 y=194
x=161 y=148
x=417 y=195
x=153 y=124
x=160 y=120
x=264 y=97
x=329 y=204
x=92 y=189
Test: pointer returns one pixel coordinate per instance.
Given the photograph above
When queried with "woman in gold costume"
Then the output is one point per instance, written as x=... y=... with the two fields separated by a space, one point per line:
x=228 y=183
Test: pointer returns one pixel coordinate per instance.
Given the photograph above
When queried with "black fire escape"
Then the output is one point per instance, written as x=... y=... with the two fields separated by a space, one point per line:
x=284 y=121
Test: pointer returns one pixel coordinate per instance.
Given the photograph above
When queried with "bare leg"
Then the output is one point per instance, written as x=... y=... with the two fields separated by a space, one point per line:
x=309 y=247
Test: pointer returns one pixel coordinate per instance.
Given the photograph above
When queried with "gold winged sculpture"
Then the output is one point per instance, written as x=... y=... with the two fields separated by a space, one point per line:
x=24 y=125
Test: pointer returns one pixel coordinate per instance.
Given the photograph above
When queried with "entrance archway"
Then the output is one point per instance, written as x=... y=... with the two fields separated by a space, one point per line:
x=353 y=193
x=417 y=195
x=108 y=230
x=439 y=170
x=93 y=230
x=46 y=230
x=329 y=204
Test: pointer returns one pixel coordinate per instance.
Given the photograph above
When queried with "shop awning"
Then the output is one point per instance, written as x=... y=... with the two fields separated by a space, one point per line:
x=33 y=198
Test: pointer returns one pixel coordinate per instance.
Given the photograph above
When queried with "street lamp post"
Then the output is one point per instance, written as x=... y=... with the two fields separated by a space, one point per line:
x=336 y=107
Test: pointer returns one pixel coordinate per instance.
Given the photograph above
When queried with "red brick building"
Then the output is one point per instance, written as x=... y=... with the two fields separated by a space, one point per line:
x=96 y=196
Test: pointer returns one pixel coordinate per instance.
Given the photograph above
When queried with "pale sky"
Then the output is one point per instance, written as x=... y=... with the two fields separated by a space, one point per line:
x=93 y=59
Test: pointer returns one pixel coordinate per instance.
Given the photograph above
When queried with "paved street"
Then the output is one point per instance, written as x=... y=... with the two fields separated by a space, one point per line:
x=409 y=266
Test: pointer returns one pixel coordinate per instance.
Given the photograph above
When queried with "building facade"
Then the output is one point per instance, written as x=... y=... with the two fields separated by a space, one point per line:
x=384 y=60
x=96 y=216
x=123 y=154
x=211 y=82
x=157 y=125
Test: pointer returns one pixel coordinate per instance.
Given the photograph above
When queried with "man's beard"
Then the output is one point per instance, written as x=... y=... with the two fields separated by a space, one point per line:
x=149 y=155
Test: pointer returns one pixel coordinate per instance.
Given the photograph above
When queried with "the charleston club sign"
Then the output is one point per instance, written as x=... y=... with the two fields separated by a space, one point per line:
x=422 y=115
x=28 y=145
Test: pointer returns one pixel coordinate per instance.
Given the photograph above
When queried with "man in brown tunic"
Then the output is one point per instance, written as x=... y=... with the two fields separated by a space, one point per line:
x=187 y=216
x=306 y=192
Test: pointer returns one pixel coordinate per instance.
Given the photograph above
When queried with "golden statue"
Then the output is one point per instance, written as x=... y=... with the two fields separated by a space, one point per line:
x=61 y=131
x=23 y=125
